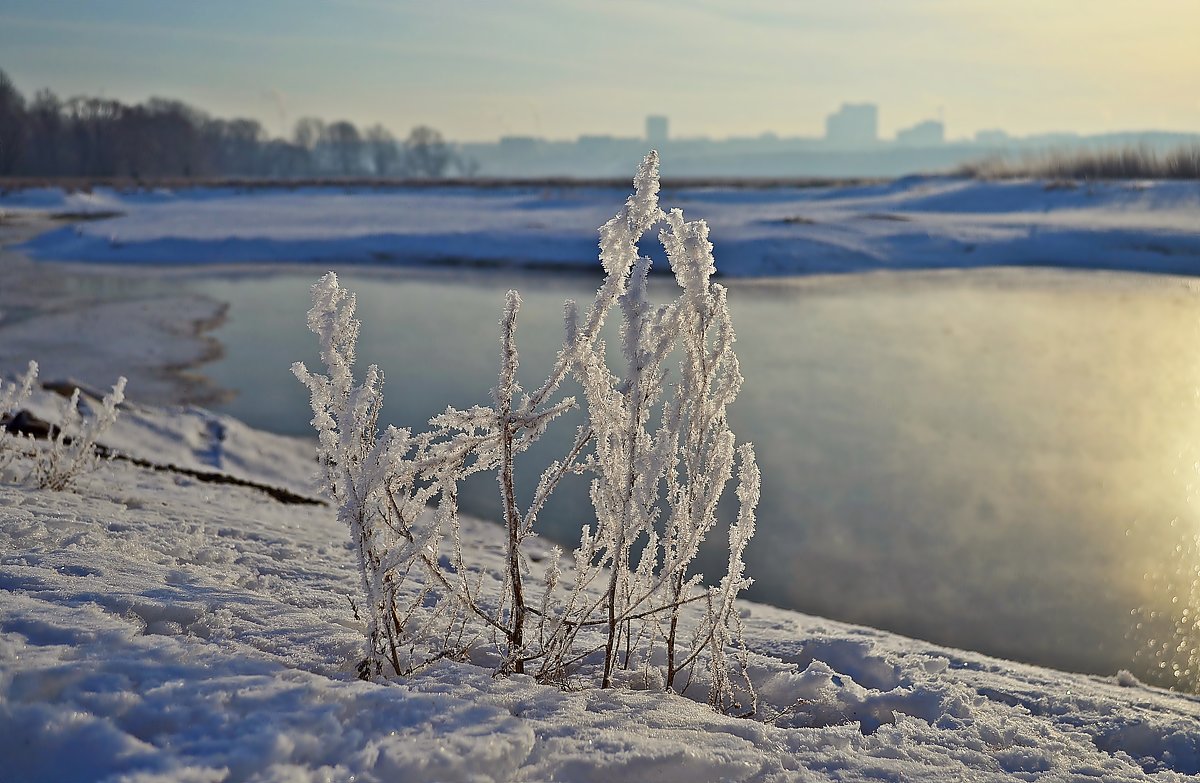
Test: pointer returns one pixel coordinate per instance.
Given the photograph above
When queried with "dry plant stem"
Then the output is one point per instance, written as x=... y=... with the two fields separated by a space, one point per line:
x=691 y=460
x=512 y=520
x=620 y=555
x=676 y=590
x=555 y=475
x=512 y=517
x=434 y=571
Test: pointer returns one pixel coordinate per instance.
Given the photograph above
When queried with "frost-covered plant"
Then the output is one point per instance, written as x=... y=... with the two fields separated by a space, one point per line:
x=632 y=576
x=71 y=451
x=12 y=397
x=383 y=484
x=695 y=419
x=690 y=454
x=353 y=457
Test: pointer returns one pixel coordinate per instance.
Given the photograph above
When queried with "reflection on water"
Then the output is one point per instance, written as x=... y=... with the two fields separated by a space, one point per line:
x=1168 y=629
x=989 y=459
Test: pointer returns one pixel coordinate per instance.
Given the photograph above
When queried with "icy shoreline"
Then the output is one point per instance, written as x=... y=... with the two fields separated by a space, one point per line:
x=81 y=322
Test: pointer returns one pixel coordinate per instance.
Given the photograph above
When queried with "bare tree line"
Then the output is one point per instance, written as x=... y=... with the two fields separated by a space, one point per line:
x=47 y=136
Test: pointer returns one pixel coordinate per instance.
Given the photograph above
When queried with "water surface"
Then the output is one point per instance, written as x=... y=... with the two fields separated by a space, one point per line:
x=996 y=460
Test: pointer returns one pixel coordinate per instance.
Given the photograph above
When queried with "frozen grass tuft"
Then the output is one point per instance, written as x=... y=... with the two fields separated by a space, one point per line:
x=71 y=449
x=71 y=452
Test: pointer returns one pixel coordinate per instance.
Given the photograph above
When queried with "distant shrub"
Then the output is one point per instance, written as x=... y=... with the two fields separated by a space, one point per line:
x=14 y=394
x=632 y=604
x=1115 y=164
x=70 y=451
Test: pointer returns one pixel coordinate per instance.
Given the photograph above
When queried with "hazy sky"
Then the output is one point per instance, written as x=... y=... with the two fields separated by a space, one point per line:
x=558 y=68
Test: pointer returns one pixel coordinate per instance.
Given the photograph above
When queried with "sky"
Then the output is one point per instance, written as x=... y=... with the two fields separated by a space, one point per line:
x=480 y=69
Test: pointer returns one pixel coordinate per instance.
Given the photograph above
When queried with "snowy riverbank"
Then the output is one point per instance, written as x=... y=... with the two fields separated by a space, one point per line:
x=91 y=325
x=911 y=223
x=155 y=627
x=158 y=626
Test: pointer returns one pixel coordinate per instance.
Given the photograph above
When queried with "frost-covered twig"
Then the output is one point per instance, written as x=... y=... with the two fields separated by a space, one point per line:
x=506 y=388
x=354 y=458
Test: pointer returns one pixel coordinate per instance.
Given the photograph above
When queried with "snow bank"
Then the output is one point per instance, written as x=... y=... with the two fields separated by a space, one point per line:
x=913 y=223
x=199 y=440
x=158 y=628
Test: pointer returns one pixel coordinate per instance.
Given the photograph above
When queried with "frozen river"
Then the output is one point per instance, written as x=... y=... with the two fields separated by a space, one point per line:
x=1000 y=460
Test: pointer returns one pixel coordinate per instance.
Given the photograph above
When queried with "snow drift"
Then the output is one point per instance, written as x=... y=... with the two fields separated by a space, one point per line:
x=911 y=223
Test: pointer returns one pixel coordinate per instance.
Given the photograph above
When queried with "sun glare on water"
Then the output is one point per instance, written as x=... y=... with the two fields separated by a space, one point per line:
x=1166 y=627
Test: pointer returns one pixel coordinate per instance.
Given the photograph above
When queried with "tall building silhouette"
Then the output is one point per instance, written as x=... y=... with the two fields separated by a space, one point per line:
x=656 y=129
x=853 y=125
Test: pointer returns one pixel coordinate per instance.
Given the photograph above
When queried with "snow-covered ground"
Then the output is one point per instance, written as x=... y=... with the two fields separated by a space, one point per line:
x=913 y=223
x=154 y=627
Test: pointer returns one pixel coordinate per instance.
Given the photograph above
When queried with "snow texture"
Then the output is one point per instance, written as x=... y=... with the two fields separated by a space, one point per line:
x=911 y=223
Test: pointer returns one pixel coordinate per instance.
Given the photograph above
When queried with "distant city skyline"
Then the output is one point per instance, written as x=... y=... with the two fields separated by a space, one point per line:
x=562 y=69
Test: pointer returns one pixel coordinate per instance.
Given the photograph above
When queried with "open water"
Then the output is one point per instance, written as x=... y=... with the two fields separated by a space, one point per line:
x=999 y=460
